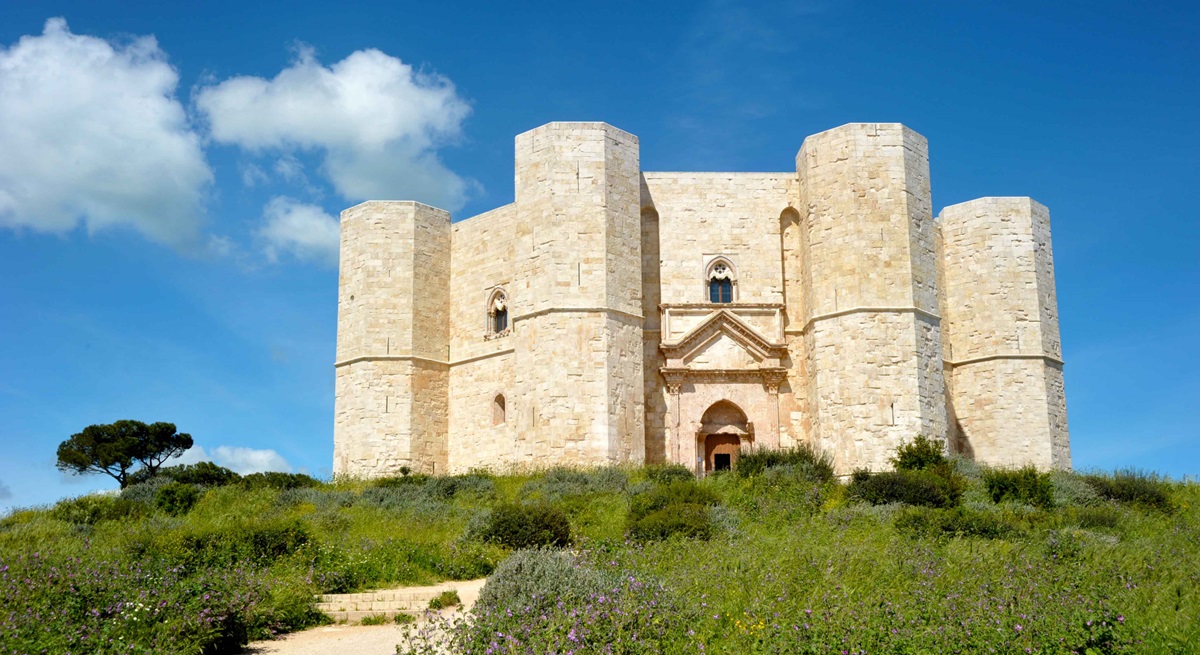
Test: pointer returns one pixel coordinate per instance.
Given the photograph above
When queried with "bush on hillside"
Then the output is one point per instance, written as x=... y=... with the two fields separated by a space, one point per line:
x=1071 y=489
x=94 y=508
x=477 y=485
x=923 y=488
x=1135 y=488
x=278 y=480
x=675 y=493
x=401 y=481
x=1023 y=485
x=667 y=473
x=176 y=498
x=1090 y=517
x=957 y=521
x=527 y=526
x=201 y=473
x=688 y=520
x=539 y=579
x=817 y=466
x=448 y=598
x=261 y=543
x=921 y=454
x=560 y=483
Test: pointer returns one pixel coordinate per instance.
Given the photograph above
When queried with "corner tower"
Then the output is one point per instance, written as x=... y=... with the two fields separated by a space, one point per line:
x=392 y=372
x=872 y=333
x=578 y=348
x=1004 y=357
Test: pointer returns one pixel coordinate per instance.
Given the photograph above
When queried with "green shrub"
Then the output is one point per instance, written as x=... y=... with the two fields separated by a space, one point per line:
x=476 y=485
x=1023 y=485
x=176 y=498
x=675 y=493
x=143 y=492
x=201 y=473
x=1135 y=488
x=400 y=481
x=448 y=598
x=539 y=579
x=404 y=619
x=278 y=480
x=94 y=508
x=817 y=466
x=1062 y=545
x=689 y=520
x=959 y=521
x=667 y=473
x=911 y=487
x=261 y=543
x=921 y=454
x=375 y=619
x=561 y=483
x=1072 y=489
x=527 y=526
x=1095 y=516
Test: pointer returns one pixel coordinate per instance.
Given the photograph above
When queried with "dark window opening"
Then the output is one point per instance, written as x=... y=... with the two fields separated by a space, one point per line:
x=720 y=291
x=722 y=462
x=499 y=321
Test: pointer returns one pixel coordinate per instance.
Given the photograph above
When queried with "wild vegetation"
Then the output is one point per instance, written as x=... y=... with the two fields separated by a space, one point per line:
x=777 y=557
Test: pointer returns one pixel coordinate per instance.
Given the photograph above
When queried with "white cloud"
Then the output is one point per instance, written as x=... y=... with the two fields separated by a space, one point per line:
x=303 y=230
x=236 y=458
x=377 y=122
x=192 y=455
x=250 y=460
x=92 y=131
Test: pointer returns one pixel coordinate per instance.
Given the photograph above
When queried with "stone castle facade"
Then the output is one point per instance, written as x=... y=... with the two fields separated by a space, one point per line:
x=614 y=315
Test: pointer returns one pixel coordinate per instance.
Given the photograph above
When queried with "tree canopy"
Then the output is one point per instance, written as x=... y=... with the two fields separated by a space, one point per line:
x=115 y=448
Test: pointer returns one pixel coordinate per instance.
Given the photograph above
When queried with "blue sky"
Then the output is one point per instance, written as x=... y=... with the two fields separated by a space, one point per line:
x=168 y=178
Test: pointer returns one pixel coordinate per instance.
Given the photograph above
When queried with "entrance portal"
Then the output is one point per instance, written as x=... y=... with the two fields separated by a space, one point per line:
x=724 y=430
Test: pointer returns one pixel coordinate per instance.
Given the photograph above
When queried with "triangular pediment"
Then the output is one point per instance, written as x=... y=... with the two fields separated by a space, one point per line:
x=722 y=351
x=723 y=341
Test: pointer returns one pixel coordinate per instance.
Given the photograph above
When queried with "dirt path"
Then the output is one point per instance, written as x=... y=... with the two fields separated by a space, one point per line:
x=353 y=639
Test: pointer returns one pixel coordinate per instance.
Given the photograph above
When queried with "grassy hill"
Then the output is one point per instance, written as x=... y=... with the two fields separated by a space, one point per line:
x=775 y=558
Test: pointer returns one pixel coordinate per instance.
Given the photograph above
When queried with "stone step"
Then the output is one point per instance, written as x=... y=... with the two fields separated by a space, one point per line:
x=358 y=615
x=374 y=605
x=353 y=608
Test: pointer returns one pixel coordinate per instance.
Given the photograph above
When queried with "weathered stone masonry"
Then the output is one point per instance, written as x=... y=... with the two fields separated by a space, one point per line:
x=678 y=317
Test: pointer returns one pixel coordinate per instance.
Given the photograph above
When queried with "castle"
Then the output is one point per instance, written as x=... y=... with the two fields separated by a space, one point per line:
x=613 y=315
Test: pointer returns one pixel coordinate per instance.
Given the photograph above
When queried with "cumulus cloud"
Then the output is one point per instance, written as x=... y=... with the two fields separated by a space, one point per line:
x=92 y=131
x=303 y=230
x=250 y=460
x=376 y=121
x=5 y=492
x=236 y=458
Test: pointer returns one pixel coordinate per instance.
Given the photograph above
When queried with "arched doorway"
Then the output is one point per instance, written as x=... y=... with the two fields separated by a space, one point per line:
x=723 y=431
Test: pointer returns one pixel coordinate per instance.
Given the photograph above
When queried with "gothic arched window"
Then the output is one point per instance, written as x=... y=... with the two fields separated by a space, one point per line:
x=498 y=312
x=720 y=281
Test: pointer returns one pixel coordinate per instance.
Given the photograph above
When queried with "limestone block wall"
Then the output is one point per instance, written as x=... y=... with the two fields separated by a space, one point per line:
x=872 y=334
x=655 y=395
x=393 y=327
x=579 y=345
x=487 y=251
x=700 y=216
x=1002 y=339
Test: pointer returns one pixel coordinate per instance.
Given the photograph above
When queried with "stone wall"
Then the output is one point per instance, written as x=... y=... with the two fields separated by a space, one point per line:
x=579 y=348
x=1002 y=339
x=393 y=326
x=872 y=332
x=858 y=322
